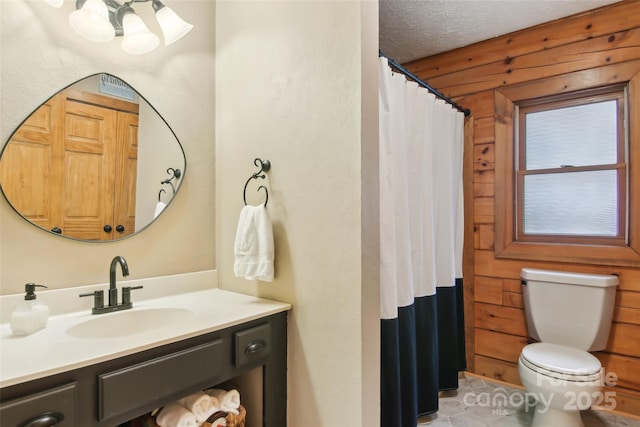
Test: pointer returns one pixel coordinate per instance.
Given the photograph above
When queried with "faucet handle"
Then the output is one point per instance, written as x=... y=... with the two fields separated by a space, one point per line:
x=126 y=293
x=98 y=298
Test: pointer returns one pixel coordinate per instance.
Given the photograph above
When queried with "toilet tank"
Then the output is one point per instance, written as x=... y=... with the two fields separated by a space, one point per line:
x=572 y=309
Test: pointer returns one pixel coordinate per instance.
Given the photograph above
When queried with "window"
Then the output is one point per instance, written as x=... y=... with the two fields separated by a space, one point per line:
x=571 y=177
x=567 y=169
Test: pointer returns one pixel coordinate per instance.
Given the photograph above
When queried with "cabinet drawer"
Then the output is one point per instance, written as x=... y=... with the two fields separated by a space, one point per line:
x=252 y=344
x=129 y=388
x=48 y=406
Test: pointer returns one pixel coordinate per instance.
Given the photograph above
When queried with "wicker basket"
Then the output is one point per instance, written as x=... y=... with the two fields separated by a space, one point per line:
x=232 y=420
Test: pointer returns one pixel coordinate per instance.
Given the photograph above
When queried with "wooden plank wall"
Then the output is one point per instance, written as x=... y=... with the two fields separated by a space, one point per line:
x=593 y=45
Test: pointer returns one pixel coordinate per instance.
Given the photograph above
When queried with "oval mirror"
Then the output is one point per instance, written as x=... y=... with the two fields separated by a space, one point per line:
x=96 y=162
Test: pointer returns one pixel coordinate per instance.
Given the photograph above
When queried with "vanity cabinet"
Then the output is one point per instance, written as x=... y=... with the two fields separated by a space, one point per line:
x=56 y=406
x=118 y=390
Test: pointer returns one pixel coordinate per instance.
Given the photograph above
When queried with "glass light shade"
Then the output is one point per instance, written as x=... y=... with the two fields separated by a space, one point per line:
x=137 y=37
x=173 y=27
x=55 y=3
x=92 y=22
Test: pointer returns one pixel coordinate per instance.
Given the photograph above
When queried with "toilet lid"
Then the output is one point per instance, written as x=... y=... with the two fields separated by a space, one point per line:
x=561 y=359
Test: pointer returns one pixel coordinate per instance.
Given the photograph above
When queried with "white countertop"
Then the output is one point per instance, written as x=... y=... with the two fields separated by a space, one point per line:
x=53 y=350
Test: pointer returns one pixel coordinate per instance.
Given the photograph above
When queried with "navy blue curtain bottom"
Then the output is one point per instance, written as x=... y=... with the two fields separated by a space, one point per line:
x=422 y=351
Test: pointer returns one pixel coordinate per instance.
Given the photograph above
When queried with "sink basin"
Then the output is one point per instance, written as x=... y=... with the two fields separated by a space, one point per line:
x=129 y=322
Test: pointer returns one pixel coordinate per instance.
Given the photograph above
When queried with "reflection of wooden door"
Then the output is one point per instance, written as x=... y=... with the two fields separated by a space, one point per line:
x=89 y=165
x=28 y=175
x=124 y=208
x=101 y=152
x=85 y=176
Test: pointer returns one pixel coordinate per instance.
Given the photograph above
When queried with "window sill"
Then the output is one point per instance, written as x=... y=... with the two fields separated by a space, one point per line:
x=581 y=254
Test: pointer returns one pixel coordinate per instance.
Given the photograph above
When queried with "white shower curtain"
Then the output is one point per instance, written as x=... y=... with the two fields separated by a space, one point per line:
x=421 y=237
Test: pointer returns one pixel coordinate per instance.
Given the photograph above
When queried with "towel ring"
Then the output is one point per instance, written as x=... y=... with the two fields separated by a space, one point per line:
x=174 y=174
x=264 y=166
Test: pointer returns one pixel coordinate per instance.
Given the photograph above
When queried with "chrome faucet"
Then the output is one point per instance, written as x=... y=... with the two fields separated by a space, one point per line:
x=113 y=290
x=98 y=296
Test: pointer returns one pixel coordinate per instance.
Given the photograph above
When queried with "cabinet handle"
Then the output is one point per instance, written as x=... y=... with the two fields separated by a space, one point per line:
x=107 y=228
x=119 y=228
x=47 y=419
x=255 y=347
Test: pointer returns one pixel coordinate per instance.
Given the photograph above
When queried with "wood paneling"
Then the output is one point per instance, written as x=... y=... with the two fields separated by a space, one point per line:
x=483 y=210
x=484 y=236
x=483 y=130
x=499 y=346
x=481 y=189
x=500 y=319
x=622 y=369
x=469 y=235
x=482 y=104
x=484 y=154
x=591 y=49
x=627 y=402
x=624 y=339
x=546 y=36
x=498 y=369
x=592 y=53
x=512 y=299
x=489 y=290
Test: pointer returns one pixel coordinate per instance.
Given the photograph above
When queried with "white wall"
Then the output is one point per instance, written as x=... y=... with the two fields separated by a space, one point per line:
x=289 y=88
x=41 y=54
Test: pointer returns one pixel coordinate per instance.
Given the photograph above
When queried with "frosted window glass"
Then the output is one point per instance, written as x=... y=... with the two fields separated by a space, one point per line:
x=578 y=136
x=574 y=203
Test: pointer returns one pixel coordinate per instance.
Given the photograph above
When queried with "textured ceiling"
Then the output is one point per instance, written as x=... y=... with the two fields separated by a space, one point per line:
x=413 y=29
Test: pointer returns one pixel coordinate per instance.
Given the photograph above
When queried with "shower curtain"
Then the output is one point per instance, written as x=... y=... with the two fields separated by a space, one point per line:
x=421 y=237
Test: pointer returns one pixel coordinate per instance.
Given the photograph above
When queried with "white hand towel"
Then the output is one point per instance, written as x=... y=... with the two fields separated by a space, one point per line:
x=159 y=208
x=201 y=405
x=175 y=415
x=229 y=400
x=254 y=248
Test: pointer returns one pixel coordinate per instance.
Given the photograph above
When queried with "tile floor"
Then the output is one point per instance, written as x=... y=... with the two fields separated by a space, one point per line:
x=471 y=406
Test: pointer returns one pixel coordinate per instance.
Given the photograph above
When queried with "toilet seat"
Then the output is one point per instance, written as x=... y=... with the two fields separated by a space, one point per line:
x=561 y=362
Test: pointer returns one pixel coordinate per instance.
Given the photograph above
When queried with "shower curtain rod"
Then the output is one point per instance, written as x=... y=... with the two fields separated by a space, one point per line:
x=424 y=84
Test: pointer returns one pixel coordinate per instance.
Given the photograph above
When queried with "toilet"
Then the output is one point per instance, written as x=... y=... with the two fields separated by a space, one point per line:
x=569 y=314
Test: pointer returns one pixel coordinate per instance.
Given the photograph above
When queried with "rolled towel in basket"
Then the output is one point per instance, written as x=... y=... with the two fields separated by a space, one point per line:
x=218 y=420
x=229 y=400
x=201 y=405
x=175 y=415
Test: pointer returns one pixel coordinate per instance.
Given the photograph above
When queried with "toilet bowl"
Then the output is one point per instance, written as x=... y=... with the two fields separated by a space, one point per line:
x=569 y=314
x=561 y=380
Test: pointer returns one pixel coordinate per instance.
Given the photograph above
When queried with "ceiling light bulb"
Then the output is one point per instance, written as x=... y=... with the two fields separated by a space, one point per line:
x=173 y=27
x=92 y=22
x=137 y=37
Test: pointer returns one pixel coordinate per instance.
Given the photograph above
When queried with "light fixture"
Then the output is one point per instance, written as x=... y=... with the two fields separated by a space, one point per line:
x=103 y=20
x=91 y=21
x=173 y=27
x=137 y=38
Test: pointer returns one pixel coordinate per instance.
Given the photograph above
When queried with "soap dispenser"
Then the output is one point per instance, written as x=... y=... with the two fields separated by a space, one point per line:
x=30 y=315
